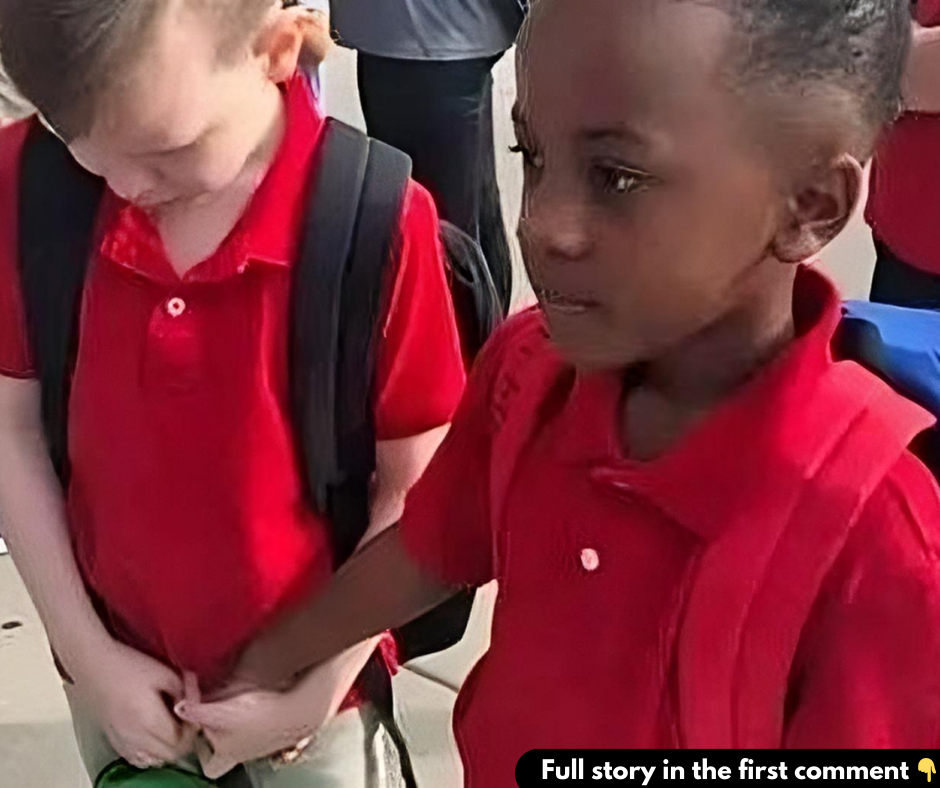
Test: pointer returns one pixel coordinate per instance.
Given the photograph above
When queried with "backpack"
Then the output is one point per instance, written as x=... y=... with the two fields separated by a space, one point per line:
x=761 y=583
x=350 y=243
x=902 y=345
x=121 y=774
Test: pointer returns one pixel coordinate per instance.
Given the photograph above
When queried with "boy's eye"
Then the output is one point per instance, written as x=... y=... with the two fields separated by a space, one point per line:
x=530 y=158
x=618 y=180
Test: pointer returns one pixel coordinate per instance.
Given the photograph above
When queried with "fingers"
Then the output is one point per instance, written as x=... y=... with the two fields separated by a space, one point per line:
x=218 y=716
x=141 y=760
x=214 y=764
x=168 y=681
x=191 y=691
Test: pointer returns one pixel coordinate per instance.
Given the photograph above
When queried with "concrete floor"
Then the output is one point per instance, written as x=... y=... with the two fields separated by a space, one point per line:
x=36 y=746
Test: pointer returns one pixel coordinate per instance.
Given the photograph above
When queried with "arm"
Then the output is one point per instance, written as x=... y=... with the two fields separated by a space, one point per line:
x=400 y=464
x=921 y=87
x=33 y=514
x=122 y=688
x=246 y=726
x=380 y=588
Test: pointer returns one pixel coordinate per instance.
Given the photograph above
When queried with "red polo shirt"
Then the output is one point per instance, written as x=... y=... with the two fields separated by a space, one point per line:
x=905 y=189
x=187 y=501
x=594 y=554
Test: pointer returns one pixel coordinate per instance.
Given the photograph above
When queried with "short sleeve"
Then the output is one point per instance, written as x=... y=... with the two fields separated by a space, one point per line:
x=420 y=375
x=866 y=674
x=15 y=360
x=448 y=525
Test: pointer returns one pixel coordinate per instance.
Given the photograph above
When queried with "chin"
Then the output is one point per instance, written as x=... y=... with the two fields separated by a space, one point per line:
x=593 y=358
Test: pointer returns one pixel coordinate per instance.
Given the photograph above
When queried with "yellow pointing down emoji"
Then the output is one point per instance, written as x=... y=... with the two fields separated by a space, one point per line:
x=926 y=766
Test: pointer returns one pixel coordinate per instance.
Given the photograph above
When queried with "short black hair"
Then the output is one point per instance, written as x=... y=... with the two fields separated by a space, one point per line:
x=63 y=55
x=858 y=48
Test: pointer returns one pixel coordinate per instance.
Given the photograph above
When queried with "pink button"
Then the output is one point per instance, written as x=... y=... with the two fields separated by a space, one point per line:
x=175 y=307
x=590 y=560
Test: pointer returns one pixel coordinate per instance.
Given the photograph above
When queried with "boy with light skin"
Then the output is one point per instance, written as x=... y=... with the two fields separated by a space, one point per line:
x=185 y=525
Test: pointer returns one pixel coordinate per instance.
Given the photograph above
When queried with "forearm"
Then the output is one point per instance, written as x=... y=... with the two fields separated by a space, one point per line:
x=922 y=79
x=33 y=514
x=380 y=588
x=335 y=678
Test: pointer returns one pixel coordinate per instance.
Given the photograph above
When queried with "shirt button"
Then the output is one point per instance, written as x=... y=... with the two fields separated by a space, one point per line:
x=590 y=560
x=175 y=307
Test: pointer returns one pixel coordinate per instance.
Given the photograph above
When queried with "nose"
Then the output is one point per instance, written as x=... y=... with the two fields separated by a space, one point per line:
x=556 y=228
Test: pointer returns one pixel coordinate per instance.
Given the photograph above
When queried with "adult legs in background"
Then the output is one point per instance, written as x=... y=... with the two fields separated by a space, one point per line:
x=899 y=283
x=441 y=114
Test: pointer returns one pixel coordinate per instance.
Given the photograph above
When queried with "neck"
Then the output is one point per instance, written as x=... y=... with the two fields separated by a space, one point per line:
x=718 y=360
x=678 y=389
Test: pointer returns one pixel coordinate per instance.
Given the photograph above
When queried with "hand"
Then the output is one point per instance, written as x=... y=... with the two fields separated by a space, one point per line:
x=260 y=723
x=257 y=723
x=317 y=40
x=130 y=695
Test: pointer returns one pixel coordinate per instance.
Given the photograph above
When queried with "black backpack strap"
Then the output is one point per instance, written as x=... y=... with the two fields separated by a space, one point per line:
x=333 y=208
x=364 y=306
x=58 y=208
x=477 y=303
x=351 y=240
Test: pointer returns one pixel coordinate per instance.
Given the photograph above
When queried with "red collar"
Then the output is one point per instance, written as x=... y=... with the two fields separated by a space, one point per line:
x=783 y=420
x=269 y=230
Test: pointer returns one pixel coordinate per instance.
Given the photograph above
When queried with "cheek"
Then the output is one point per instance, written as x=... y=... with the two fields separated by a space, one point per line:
x=213 y=170
x=673 y=267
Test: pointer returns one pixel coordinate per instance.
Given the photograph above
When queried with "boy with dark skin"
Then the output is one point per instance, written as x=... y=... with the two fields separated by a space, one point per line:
x=683 y=160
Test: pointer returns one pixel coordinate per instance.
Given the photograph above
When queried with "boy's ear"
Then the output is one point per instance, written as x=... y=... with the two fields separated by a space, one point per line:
x=280 y=43
x=820 y=210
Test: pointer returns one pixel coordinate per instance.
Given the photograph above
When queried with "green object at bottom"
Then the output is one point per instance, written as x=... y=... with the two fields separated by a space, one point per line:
x=121 y=774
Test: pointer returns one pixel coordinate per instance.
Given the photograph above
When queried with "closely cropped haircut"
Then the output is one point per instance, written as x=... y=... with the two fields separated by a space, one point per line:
x=853 y=51
x=63 y=55
x=856 y=49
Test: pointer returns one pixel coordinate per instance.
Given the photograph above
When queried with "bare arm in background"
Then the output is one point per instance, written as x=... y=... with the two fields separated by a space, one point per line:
x=922 y=80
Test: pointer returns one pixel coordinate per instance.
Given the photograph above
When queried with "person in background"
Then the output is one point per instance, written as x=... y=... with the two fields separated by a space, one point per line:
x=426 y=86
x=317 y=43
x=905 y=191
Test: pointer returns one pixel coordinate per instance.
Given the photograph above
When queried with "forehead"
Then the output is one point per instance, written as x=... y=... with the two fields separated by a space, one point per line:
x=169 y=88
x=654 y=63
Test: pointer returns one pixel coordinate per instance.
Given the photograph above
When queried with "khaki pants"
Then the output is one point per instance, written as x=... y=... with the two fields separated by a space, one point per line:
x=353 y=751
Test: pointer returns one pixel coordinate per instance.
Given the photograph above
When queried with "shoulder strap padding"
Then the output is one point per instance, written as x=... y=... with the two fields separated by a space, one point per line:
x=58 y=204
x=349 y=241
x=755 y=587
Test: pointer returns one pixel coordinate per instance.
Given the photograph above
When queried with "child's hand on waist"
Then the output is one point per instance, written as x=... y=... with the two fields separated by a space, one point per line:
x=130 y=696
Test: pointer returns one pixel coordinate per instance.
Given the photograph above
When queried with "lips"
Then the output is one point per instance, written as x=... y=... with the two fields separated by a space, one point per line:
x=564 y=304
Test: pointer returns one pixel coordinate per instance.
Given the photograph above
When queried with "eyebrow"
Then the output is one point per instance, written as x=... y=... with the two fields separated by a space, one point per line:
x=620 y=132
x=174 y=148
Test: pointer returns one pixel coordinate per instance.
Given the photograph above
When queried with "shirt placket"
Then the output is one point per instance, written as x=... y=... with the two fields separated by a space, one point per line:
x=174 y=348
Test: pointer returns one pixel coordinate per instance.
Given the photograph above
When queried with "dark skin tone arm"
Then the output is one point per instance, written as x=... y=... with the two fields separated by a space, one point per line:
x=380 y=588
